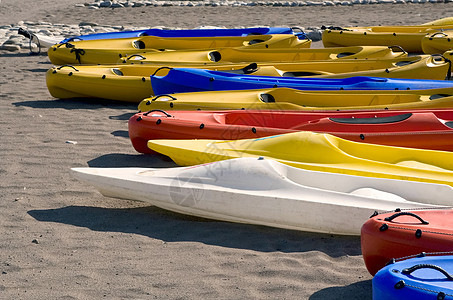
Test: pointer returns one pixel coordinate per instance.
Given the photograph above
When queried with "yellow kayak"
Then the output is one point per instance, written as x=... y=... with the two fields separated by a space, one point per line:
x=108 y=51
x=132 y=82
x=240 y=55
x=319 y=152
x=407 y=37
x=438 y=42
x=291 y=99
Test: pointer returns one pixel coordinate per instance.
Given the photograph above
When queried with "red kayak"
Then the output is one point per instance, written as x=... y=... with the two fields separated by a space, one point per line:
x=404 y=233
x=417 y=129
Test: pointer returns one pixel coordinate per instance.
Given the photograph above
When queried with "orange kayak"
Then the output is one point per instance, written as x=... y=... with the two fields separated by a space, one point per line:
x=424 y=129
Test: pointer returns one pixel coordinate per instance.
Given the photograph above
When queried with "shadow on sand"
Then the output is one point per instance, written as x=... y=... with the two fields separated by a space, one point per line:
x=164 y=225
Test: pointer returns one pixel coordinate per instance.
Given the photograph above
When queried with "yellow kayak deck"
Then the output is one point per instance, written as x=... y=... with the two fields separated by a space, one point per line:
x=292 y=99
x=320 y=152
x=108 y=51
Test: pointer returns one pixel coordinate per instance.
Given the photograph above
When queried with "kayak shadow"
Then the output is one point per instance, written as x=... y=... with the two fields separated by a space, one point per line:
x=358 y=290
x=123 y=117
x=167 y=226
x=121 y=133
x=77 y=103
x=120 y=160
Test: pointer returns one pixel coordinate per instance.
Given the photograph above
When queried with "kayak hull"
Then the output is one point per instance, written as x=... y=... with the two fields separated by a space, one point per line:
x=292 y=99
x=208 y=32
x=182 y=80
x=417 y=129
x=438 y=42
x=131 y=83
x=258 y=55
x=405 y=234
x=109 y=51
x=261 y=192
x=407 y=37
x=415 y=278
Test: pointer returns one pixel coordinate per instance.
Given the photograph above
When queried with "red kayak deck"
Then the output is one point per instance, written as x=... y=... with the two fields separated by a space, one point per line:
x=417 y=129
x=399 y=234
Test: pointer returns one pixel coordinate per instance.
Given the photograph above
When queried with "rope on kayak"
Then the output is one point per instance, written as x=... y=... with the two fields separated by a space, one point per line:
x=30 y=36
x=161 y=68
x=422 y=254
x=78 y=52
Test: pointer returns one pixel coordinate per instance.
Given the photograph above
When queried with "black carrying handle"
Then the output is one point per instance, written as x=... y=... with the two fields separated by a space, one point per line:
x=397 y=48
x=67 y=66
x=408 y=271
x=161 y=68
x=159 y=110
x=135 y=55
x=441 y=33
x=406 y=213
x=163 y=95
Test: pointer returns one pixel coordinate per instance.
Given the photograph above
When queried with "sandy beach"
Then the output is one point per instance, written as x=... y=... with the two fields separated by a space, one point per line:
x=60 y=239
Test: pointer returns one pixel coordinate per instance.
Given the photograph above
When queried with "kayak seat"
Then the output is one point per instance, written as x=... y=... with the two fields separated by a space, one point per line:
x=256 y=41
x=267 y=98
x=438 y=96
x=299 y=74
x=250 y=69
x=139 y=44
x=344 y=54
x=449 y=124
x=381 y=120
x=215 y=56
x=405 y=63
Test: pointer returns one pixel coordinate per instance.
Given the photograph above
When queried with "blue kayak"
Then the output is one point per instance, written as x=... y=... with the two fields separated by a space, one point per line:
x=190 y=33
x=424 y=277
x=182 y=80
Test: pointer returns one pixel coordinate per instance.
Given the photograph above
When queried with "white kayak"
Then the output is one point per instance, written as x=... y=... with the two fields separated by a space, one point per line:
x=266 y=192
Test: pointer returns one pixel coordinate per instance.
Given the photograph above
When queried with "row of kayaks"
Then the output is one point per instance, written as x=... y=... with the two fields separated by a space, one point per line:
x=291 y=137
x=431 y=37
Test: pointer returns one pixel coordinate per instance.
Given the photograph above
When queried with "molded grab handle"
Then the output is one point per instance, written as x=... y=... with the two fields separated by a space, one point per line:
x=397 y=48
x=405 y=213
x=159 y=110
x=445 y=60
x=408 y=271
x=161 y=68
